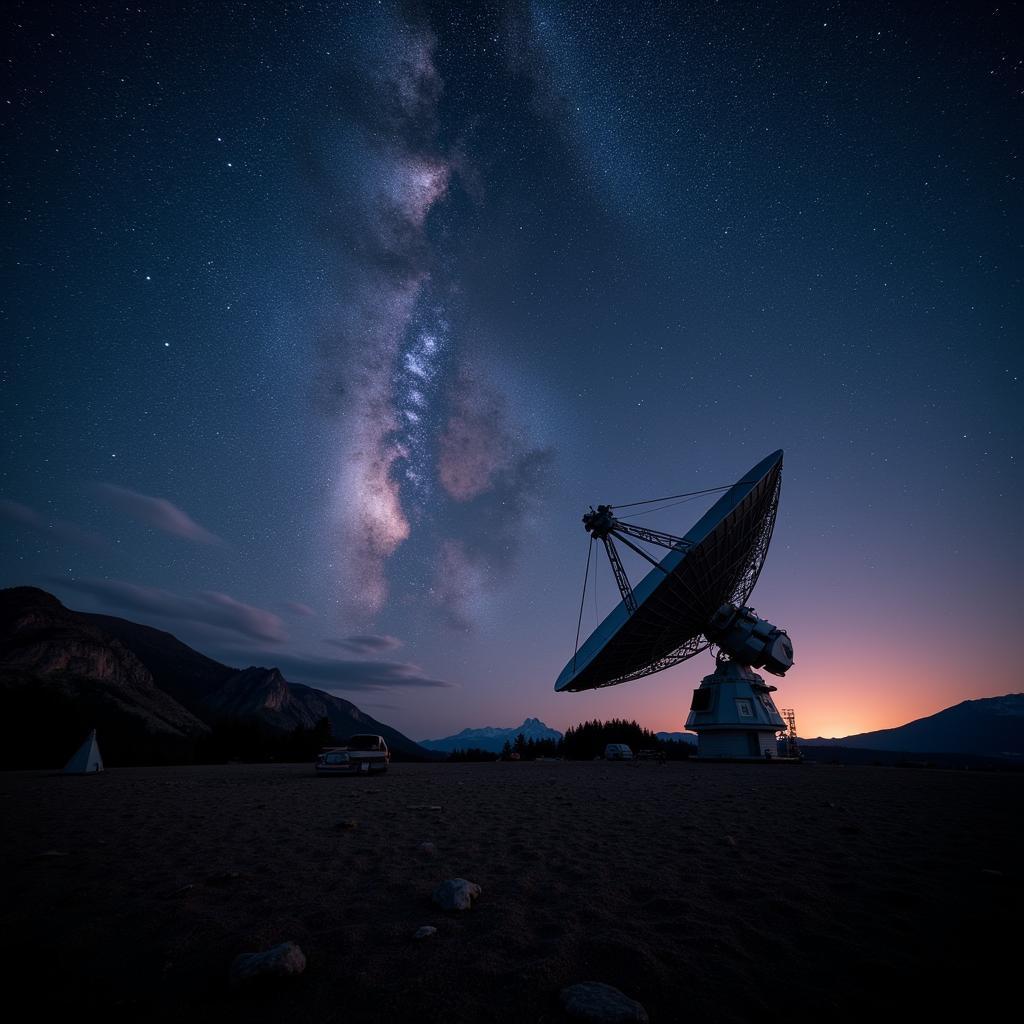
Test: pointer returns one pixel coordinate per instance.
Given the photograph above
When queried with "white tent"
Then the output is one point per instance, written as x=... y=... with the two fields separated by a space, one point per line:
x=87 y=759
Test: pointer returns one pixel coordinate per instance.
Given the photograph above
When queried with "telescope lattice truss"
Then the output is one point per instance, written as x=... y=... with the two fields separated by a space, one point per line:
x=700 y=598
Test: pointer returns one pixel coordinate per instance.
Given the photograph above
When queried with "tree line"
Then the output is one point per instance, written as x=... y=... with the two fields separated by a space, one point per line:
x=581 y=742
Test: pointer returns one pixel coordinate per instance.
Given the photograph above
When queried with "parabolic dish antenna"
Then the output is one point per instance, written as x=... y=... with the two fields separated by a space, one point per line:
x=694 y=596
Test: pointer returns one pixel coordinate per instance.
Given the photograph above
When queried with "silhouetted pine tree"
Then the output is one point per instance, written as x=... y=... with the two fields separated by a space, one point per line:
x=587 y=740
x=472 y=754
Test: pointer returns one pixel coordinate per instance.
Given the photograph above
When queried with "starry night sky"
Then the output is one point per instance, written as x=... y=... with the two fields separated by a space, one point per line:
x=325 y=322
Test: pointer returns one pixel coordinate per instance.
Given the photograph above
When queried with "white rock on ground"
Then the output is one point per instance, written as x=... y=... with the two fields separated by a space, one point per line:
x=596 y=1003
x=427 y=849
x=283 y=961
x=456 y=894
x=425 y=932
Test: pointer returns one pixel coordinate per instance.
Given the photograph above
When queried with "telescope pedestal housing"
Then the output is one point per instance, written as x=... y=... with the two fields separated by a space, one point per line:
x=734 y=716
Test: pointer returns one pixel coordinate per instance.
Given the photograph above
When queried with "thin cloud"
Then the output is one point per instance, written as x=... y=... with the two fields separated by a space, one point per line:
x=366 y=643
x=15 y=512
x=156 y=512
x=300 y=609
x=208 y=607
x=57 y=529
x=349 y=675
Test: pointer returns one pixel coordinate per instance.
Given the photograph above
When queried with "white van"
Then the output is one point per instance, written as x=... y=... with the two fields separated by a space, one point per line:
x=617 y=752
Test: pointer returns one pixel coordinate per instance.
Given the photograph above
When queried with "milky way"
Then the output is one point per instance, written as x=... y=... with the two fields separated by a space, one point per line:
x=421 y=368
x=417 y=428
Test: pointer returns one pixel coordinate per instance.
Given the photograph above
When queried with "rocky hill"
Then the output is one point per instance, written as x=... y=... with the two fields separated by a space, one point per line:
x=152 y=698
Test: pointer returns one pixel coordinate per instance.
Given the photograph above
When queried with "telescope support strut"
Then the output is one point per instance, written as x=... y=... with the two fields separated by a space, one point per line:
x=628 y=597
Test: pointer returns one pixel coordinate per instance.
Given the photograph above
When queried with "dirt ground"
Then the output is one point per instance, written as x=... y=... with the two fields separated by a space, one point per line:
x=708 y=892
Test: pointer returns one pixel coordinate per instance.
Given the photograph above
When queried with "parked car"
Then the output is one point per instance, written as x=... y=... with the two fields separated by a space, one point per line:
x=360 y=755
x=618 y=752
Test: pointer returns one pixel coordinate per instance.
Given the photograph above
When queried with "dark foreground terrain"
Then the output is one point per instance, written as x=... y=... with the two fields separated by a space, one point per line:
x=707 y=892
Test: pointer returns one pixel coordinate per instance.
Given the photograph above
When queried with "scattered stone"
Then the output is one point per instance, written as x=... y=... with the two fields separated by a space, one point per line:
x=283 y=961
x=729 y=841
x=456 y=894
x=347 y=825
x=425 y=932
x=51 y=853
x=992 y=872
x=423 y=807
x=597 y=1003
x=181 y=891
x=427 y=849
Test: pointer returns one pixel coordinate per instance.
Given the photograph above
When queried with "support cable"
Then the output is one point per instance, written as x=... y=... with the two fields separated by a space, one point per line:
x=583 y=599
x=672 y=497
x=660 y=508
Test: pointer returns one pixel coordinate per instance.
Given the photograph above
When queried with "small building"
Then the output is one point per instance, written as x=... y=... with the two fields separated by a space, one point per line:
x=734 y=716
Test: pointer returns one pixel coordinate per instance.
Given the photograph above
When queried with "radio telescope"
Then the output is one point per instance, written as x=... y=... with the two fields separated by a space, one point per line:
x=695 y=597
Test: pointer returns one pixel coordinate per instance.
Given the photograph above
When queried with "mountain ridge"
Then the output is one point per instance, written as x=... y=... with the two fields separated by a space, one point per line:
x=492 y=738
x=988 y=726
x=154 y=695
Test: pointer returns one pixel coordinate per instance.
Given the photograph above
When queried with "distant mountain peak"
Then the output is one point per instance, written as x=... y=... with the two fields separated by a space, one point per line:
x=493 y=738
